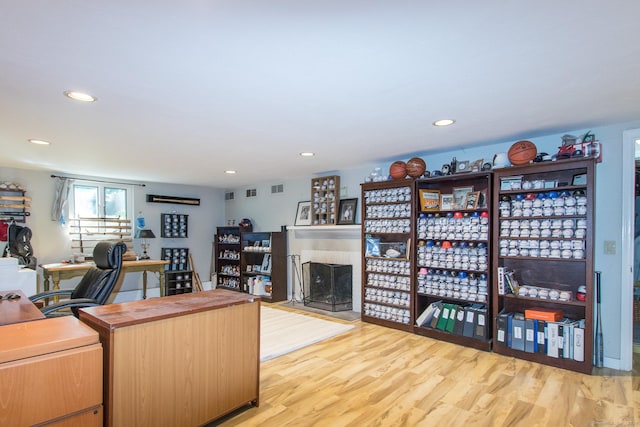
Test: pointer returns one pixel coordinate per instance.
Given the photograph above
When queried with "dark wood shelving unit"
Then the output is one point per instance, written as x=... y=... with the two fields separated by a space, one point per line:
x=453 y=255
x=227 y=250
x=387 y=283
x=263 y=265
x=557 y=272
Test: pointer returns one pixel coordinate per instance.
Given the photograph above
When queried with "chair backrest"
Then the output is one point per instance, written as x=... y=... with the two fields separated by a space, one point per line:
x=99 y=281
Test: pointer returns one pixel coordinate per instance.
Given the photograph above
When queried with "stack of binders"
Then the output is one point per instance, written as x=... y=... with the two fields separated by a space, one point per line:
x=540 y=330
x=464 y=320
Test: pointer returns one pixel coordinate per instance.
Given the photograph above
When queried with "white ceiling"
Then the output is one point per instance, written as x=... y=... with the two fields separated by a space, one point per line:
x=187 y=89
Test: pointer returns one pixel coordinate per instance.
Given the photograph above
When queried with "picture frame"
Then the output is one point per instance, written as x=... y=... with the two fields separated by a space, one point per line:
x=476 y=166
x=472 y=200
x=347 y=211
x=429 y=200
x=579 y=179
x=460 y=196
x=303 y=214
x=463 y=166
x=446 y=202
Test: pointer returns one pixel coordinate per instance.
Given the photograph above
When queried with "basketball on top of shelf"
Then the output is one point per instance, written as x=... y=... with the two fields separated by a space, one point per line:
x=416 y=167
x=398 y=169
x=522 y=152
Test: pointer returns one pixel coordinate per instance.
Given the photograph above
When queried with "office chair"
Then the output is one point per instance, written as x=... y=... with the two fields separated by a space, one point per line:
x=96 y=285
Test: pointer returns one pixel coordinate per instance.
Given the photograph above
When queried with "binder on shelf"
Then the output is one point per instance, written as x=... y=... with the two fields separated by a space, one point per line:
x=578 y=342
x=480 y=324
x=426 y=316
x=509 y=329
x=436 y=316
x=518 y=332
x=444 y=317
x=501 y=328
x=453 y=310
x=552 y=339
x=458 y=327
x=469 y=319
x=529 y=335
x=541 y=336
x=560 y=340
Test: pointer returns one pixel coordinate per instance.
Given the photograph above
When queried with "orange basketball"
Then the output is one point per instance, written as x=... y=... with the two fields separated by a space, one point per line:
x=398 y=169
x=416 y=167
x=522 y=152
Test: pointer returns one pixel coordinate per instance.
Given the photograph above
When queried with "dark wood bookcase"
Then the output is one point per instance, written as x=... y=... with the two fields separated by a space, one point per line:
x=227 y=249
x=453 y=257
x=263 y=265
x=388 y=210
x=556 y=261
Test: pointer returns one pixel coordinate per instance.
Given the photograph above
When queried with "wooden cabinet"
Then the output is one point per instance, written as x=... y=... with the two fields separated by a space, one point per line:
x=178 y=282
x=387 y=266
x=263 y=264
x=227 y=248
x=183 y=360
x=50 y=373
x=452 y=258
x=14 y=204
x=543 y=262
x=325 y=200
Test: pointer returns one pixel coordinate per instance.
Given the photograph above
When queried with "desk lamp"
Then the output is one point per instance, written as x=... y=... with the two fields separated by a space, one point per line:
x=145 y=234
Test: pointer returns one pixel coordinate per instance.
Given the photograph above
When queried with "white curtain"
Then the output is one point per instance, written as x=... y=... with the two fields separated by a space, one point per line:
x=61 y=197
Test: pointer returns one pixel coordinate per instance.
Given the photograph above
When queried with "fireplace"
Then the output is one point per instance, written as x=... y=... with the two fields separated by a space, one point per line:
x=327 y=286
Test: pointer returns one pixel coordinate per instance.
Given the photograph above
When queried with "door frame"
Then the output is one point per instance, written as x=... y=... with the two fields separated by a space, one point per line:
x=629 y=138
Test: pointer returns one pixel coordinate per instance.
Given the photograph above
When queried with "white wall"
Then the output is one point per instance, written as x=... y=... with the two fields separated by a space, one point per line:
x=51 y=242
x=270 y=212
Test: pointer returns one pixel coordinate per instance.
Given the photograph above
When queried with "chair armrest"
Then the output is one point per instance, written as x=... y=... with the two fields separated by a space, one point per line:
x=50 y=294
x=72 y=303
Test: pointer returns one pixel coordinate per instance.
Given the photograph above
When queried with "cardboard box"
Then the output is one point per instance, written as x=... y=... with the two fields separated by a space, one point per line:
x=546 y=314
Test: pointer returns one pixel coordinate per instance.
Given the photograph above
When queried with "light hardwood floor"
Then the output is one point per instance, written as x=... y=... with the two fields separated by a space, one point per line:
x=376 y=376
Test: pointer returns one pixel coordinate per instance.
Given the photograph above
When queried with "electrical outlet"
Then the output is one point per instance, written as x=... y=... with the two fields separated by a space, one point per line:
x=610 y=247
x=344 y=191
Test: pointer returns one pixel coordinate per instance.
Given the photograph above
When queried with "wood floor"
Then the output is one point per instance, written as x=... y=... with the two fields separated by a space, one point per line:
x=376 y=376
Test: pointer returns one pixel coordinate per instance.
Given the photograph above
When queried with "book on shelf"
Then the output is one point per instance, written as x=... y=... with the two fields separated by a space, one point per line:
x=427 y=314
x=501 y=285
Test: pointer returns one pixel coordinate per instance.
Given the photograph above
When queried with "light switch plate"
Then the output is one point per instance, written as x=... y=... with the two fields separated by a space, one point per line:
x=610 y=247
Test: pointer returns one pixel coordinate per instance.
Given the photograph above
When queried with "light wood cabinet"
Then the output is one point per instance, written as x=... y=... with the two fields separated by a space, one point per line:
x=50 y=372
x=182 y=360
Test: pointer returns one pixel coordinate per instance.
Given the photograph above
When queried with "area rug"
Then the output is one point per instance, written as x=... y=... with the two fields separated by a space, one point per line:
x=282 y=332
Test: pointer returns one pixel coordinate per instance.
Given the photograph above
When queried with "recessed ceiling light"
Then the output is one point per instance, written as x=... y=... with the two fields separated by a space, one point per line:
x=444 y=122
x=307 y=154
x=39 y=142
x=230 y=172
x=79 y=96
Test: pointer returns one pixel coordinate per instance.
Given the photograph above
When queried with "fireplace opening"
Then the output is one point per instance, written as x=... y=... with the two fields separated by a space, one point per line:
x=327 y=286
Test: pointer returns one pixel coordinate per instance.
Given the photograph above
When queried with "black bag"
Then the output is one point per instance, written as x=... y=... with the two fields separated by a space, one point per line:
x=19 y=245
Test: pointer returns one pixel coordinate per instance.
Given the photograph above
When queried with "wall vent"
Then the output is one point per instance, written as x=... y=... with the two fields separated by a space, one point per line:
x=229 y=195
x=251 y=192
x=279 y=188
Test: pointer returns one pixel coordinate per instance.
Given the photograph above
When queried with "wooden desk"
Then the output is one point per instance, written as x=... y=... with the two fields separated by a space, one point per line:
x=50 y=372
x=61 y=271
x=181 y=360
x=18 y=310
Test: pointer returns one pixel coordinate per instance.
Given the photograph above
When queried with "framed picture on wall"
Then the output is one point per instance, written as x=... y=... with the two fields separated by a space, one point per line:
x=347 y=211
x=303 y=214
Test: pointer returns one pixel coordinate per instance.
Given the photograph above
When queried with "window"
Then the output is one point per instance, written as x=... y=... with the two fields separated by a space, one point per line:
x=99 y=212
x=91 y=200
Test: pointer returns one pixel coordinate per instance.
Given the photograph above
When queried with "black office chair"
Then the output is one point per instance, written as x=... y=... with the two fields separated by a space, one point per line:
x=96 y=285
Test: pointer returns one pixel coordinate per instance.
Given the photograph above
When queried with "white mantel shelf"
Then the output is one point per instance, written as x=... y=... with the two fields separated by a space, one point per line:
x=330 y=231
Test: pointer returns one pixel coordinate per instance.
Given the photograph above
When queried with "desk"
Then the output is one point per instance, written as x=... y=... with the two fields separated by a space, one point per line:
x=50 y=372
x=182 y=360
x=18 y=310
x=61 y=271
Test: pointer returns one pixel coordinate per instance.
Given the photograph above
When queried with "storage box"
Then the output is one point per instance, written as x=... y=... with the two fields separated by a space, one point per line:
x=546 y=314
